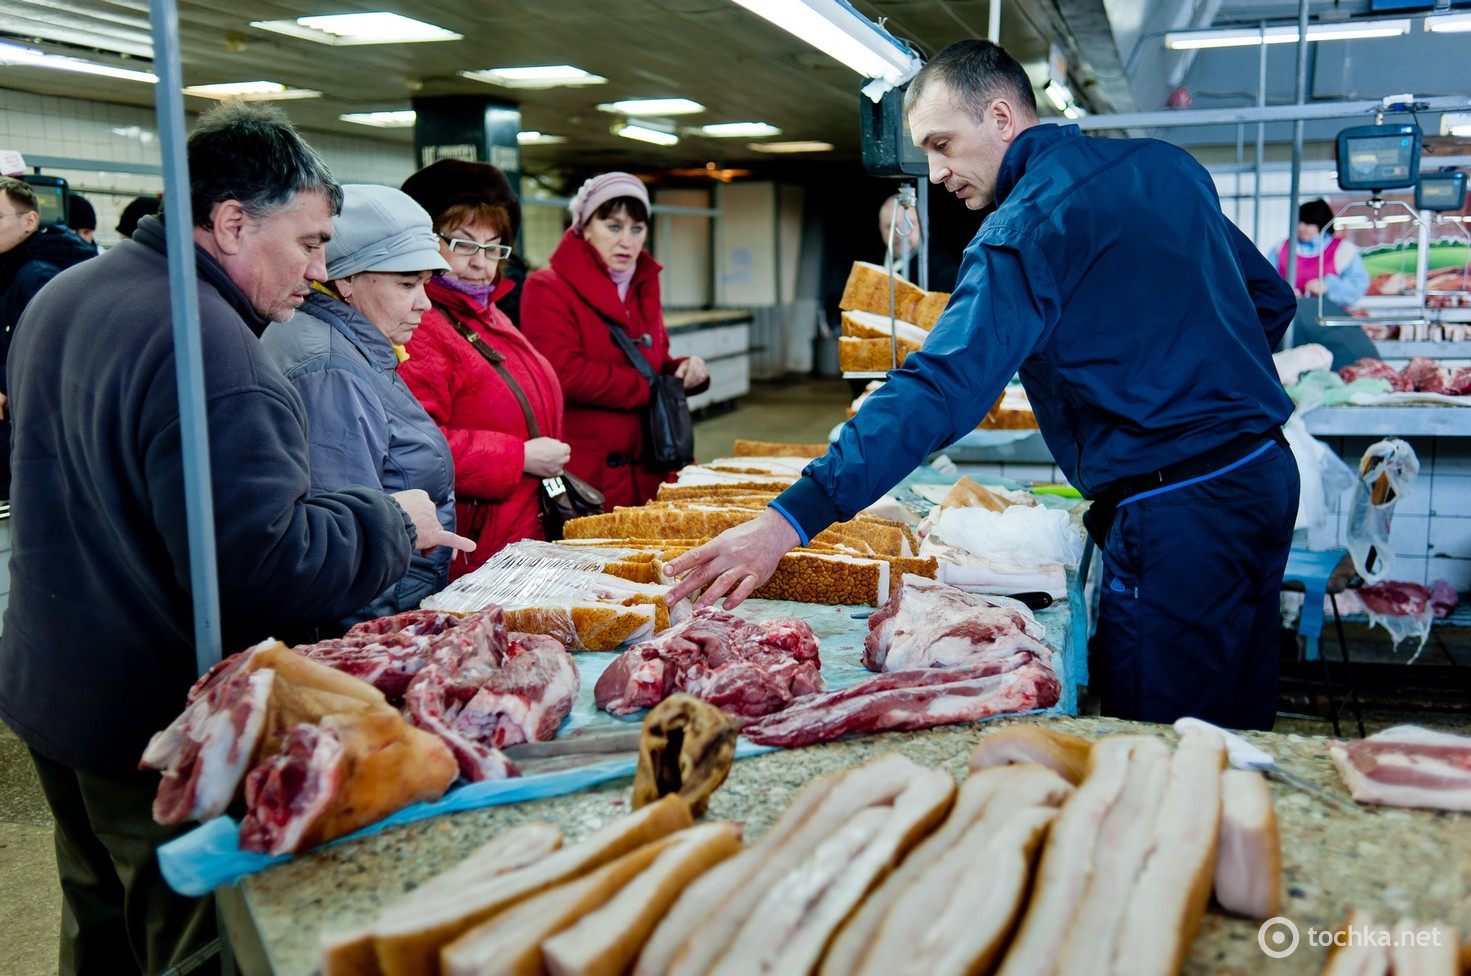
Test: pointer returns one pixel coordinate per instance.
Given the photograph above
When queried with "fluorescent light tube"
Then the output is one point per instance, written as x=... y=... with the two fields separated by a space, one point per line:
x=652 y=106
x=1284 y=34
x=383 y=120
x=1059 y=95
x=250 y=91
x=531 y=137
x=735 y=130
x=643 y=133
x=840 y=32
x=538 y=76
x=29 y=57
x=1448 y=23
x=790 y=147
x=345 y=30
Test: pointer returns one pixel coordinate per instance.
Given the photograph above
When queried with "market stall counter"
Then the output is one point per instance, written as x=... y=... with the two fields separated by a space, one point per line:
x=1391 y=862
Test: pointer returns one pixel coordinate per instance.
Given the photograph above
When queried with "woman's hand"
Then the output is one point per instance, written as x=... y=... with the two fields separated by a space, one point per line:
x=693 y=371
x=546 y=457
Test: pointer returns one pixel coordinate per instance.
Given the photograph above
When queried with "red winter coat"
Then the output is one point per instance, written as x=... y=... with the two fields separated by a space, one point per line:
x=604 y=392
x=495 y=501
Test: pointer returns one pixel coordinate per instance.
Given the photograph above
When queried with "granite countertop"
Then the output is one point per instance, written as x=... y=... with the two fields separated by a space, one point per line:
x=1392 y=862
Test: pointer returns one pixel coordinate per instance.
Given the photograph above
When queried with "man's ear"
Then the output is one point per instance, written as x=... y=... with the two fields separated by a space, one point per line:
x=228 y=221
x=1004 y=118
x=30 y=220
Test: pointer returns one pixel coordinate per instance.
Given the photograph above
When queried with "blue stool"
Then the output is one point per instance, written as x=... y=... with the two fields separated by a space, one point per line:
x=1312 y=572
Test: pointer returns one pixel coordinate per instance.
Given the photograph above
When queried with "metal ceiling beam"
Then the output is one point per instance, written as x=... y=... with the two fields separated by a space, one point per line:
x=1170 y=118
x=1087 y=26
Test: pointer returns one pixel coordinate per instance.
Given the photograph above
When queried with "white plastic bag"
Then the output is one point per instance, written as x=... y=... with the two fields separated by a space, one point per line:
x=1385 y=474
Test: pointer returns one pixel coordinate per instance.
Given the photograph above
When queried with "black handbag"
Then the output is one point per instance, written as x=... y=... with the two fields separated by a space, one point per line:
x=562 y=497
x=669 y=430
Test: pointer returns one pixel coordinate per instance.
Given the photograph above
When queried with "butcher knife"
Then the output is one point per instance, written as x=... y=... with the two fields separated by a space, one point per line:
x=1243 y=755
x=620 y=740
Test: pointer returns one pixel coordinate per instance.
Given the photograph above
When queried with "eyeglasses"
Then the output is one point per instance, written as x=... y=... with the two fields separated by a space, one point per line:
x=466 y=248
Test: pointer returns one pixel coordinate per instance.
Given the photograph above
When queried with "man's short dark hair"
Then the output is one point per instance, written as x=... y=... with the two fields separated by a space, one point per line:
x=1315 y=212
x=977 y=72
x=251 y=152
x=20 y=195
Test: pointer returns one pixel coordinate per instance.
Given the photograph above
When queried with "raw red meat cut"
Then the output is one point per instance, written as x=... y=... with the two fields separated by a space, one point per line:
x=1369 y=368
x=929 y=624
x=1395 y=598
x=1424 y=375
x=207 y=749
x=1443 y=599
x=1458 y=383
x=291 y=789
x=389 y=651
x=1407 y=766
x=910 y=700
x=743 y=667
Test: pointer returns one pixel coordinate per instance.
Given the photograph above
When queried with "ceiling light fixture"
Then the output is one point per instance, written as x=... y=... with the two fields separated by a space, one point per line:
x=652 y=106
x=345 y=30
x=810 y=145
x=1059 y=95
x=1448 y=23
x=1456 y=124
x=842 y=33
x=28 y=57
x=383 y=120
x=1284 y=34
x=538 y=76
x=736 y=130
x=250 y=91
x=531 y=137
x=643 y=133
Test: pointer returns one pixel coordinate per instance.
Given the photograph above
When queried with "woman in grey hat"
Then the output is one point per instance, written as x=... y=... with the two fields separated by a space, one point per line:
x=341 y=351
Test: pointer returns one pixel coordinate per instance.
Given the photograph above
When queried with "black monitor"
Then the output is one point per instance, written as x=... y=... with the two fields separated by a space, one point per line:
x=888 y=148
x=50 y=197
x=1378 y=157
x=1440 y=191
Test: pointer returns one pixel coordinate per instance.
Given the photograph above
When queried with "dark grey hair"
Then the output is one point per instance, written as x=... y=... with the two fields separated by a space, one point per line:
x=251 y=152
x=977 y=73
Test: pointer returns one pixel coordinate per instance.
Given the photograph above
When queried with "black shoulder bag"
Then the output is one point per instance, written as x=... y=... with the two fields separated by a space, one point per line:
x=560 y=498
x=669 y=430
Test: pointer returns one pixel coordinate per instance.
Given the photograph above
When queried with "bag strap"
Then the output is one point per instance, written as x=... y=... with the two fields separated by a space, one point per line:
x=497 y=363
x=623 y=341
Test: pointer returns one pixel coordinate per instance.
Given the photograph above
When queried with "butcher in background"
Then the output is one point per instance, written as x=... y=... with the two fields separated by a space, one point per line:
x=98 y=650
x=1142 y=322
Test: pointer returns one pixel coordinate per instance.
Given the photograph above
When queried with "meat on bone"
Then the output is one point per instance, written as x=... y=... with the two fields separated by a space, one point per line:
x=904 y=701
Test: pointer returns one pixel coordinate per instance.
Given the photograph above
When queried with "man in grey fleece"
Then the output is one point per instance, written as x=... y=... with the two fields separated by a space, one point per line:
x=97 y=650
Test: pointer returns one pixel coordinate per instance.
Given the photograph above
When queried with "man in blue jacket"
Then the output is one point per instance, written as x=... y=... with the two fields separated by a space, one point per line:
x=98 y=645
x=1141 y=321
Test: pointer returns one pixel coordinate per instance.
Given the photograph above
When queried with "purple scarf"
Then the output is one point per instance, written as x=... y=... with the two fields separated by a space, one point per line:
x=480 y=294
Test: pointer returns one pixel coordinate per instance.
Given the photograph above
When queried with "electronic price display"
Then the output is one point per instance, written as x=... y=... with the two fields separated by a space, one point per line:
x=1440 y=192
x=1378 y=157
x=51 y=195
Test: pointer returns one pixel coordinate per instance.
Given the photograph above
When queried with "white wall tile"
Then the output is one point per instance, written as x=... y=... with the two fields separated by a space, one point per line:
x=1450 y=494
x=1456 y=572
x=1410 y=535
x=1409 y=570
x=1452 y=455
x=1451 y=537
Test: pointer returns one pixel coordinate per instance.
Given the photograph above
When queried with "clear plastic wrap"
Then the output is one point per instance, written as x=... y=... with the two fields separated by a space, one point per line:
x=565 y=593
x=1386 y=472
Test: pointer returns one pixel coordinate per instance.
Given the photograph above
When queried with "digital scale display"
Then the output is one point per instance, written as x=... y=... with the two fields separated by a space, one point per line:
x=1378 y=157
x=50 y=197
x=1441 y=192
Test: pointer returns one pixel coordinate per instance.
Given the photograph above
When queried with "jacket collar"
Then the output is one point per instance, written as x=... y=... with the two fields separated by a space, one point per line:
x=150 y=234
x=1026 y=147
x=577 y=262
x=366 y=337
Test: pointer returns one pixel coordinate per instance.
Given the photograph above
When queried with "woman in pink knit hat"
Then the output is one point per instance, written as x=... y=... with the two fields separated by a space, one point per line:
x=602 y=278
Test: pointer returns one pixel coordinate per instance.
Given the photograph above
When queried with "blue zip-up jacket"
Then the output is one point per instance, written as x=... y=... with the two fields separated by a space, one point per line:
x=365 y=427
x=1140 y=318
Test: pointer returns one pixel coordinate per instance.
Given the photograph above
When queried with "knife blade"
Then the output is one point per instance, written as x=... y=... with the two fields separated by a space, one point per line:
x=1243 y=755
x=621 y=740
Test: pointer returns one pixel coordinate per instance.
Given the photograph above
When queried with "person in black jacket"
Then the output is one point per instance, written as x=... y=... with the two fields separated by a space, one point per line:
x=30 y=256
x=97 y=651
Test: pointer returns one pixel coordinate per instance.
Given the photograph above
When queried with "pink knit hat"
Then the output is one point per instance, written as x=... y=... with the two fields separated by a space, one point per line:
x=599 y=190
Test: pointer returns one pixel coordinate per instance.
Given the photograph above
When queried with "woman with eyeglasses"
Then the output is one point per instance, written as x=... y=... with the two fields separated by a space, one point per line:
x=600 y=278
x=472 y=370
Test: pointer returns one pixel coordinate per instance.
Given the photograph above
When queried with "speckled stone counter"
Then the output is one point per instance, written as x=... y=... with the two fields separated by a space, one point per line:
x=1391 y=862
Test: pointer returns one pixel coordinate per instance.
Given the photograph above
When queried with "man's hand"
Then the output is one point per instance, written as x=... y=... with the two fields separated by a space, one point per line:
x=693 y=372
x=420 y=509
x=737 y=561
